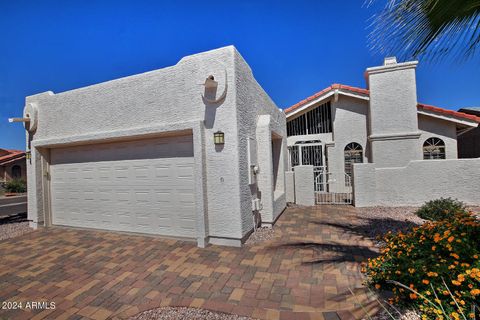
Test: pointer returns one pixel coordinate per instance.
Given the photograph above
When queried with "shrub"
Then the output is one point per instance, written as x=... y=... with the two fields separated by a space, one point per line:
x=440 y=209
x=17 y=186
x=433 y=260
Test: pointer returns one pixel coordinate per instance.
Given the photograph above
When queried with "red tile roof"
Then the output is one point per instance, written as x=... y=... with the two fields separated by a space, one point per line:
x=456 y=114
x=366 y=92
x=12 y=154
x=334 y=86
x=11 y=160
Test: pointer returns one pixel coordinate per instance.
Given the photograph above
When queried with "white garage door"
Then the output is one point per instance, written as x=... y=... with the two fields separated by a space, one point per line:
x=142 y=186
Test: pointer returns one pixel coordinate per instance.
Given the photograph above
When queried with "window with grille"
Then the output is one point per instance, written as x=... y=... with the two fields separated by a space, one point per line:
x=294 y=157
x=317 y=120
x=312 y=155
x=433 y=148
x=353 y=154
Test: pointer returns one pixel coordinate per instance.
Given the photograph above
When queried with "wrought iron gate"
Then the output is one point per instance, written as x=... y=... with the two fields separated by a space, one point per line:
x=329 y=190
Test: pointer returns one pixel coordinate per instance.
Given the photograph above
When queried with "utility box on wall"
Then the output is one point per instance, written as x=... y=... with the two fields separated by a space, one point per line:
x=252 y=161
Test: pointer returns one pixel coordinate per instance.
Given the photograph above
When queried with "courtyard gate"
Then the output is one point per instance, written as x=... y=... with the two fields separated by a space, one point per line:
x=328 y=190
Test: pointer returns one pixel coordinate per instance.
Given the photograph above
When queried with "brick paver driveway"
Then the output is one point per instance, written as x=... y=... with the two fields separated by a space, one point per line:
x=304 y=273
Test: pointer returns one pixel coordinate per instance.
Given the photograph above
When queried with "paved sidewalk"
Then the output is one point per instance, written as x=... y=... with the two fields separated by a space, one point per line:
x=304 y=273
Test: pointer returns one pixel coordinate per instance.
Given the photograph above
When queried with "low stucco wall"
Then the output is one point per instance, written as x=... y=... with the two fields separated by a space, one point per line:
x=304 y=193
x=290 y=186
x=418 y=182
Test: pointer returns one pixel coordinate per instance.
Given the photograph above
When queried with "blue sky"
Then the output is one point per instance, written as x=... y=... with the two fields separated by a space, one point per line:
x=295 y=48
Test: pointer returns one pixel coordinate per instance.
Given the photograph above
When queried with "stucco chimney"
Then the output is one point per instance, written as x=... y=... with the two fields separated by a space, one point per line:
x=389 y=60
x=393 y=113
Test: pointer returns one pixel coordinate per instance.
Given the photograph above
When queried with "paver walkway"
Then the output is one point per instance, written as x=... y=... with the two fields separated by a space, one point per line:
x=304 y=273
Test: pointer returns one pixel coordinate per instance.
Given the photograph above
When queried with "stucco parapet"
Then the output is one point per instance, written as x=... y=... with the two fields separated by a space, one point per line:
x=229 y=48
x=97 y=137
x=395 y=136
x=41 y=95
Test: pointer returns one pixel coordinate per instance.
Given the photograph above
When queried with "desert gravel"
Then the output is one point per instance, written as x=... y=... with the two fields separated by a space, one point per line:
x=377 y=221
x=184 y=313
x=260 y=235
x=14 y=229
x=380 y=220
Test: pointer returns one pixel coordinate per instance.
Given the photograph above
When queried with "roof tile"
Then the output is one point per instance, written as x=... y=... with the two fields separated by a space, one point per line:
x=449 y=112
x=334 y=86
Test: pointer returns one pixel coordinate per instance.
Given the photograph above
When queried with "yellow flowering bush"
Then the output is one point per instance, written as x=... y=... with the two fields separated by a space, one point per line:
x=434 y=267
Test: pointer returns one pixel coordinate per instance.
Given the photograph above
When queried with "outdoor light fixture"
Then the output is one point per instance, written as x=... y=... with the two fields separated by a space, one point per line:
x=219 y=137
x=28 y=155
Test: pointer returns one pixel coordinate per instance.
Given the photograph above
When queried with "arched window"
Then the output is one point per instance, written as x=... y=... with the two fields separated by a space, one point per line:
x=433 y=148
x=16 y=172
x=353 y=154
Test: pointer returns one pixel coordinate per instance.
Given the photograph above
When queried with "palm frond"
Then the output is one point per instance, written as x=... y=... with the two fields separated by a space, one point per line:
x=427 y=28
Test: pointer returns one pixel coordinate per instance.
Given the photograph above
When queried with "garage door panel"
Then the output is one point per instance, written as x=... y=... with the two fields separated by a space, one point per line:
x=172 y=147
x=123 y=187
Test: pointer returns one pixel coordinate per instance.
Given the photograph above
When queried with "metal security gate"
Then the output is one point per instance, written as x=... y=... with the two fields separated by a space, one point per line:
x=329 y=190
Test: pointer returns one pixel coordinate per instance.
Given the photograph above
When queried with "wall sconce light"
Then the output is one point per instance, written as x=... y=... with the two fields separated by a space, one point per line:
x=219 y=137
x=28 y=155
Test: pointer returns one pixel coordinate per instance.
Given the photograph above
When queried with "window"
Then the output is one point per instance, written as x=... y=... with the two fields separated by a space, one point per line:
x=16 y=172
x=312 y=155
x=317 y=120
x=294 y=158
x=433 y=148
x=353 y=153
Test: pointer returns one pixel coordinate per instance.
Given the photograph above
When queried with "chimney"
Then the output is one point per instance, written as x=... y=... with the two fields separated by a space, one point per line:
x=393 y=121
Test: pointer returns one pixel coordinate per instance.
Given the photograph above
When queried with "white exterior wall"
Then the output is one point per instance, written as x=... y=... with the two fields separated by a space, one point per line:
x=418 y=182
x=398 y=175
x=349 y=125
x=438 y=128
x=259 y=118
x=392 y=130
x=163 y=102
x=349 y=117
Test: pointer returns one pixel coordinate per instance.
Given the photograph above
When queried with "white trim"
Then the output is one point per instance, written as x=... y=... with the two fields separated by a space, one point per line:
x=395 y=136
x=116 y=135
x=353 y=95
x=392 y=67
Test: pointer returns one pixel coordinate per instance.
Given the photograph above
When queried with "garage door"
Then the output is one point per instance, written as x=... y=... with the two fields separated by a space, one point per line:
x=142 y=186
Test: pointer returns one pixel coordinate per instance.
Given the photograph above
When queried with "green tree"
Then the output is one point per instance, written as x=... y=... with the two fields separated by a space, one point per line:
x=427 y=28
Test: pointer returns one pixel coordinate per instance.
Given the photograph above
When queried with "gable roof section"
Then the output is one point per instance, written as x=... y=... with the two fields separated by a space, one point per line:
x=329 y=91
x=12 y=155
x=365 y=94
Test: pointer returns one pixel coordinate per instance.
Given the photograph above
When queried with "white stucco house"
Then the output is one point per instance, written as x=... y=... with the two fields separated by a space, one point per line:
x=196 y=150
x=380 y=146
